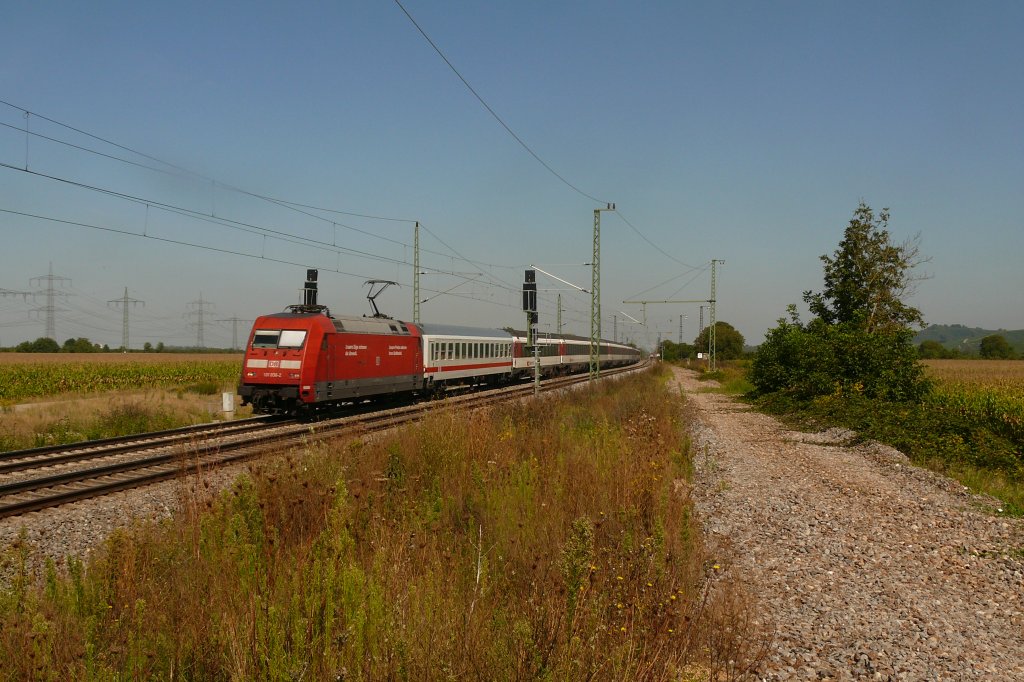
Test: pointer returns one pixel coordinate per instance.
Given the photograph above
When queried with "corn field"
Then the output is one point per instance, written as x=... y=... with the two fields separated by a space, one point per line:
x=20 y=381
x=986 y=391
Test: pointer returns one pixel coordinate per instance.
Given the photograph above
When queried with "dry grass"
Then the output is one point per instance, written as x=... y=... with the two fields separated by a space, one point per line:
x=549 y=540
x=68 y=420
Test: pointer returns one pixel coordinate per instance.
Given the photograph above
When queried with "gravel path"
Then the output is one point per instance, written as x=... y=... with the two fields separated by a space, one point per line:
x=870 y=568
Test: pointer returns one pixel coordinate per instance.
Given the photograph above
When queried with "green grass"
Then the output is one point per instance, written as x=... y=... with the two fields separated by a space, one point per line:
x=731 y=376
x=548 y=540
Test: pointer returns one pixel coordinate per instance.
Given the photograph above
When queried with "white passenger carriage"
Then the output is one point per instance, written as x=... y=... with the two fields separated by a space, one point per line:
x=454 y=355
x=567 y=354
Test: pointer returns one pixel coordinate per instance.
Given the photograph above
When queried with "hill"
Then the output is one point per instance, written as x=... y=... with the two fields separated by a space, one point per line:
x=966 y=339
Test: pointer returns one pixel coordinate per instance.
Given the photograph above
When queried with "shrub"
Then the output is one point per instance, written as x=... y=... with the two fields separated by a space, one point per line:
x=821 y=359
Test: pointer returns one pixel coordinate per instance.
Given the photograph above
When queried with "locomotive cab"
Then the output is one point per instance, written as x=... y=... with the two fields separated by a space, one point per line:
x=281 y=359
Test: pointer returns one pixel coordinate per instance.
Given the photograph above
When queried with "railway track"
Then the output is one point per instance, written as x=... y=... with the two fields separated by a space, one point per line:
x=32 y=480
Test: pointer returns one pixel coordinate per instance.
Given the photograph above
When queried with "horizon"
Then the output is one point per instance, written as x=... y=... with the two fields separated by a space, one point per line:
x=744 y=133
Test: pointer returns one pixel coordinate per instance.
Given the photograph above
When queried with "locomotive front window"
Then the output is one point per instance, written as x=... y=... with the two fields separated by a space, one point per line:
x=276 y=338
x=266 y=338
x=292 y=338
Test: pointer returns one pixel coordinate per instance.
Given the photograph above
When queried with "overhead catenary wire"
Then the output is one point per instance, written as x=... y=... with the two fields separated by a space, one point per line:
x=216 y=184
x=492 y=112
x=489 y=280
x=176 y=169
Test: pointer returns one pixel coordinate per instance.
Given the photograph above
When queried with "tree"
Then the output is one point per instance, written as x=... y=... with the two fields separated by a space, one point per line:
x=868 y=277
x=147 y=347
x=933 y=350
x=728 y=341
x=79 y=345
x=41 y=345
x=671 y=352
x=861 y=342
x=995 y=346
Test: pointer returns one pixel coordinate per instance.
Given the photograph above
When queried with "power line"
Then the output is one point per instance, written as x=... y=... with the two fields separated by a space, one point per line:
x=655 y=246
x=494 y=113
x=204 y=247
x=226 y=222
x=179 y=170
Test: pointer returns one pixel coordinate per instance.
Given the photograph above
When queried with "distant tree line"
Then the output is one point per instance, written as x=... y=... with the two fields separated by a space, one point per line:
x=992 y=347
x=83 y=345
x=728 y=344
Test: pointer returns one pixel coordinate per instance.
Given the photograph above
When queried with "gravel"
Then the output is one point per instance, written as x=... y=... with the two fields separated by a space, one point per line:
x=869 y=567
x=75 y=530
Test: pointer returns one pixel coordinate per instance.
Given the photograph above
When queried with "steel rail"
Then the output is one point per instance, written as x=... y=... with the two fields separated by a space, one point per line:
x=88 y=450
x=101 y=442
x=165 y=466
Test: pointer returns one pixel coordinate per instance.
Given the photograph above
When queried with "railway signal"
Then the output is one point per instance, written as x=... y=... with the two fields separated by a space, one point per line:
x=530 y=306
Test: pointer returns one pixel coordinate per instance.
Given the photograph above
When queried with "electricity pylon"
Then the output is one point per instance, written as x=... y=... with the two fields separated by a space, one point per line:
x=51 y=294
x=234 y=329
x=124 y=302
x=199 y=312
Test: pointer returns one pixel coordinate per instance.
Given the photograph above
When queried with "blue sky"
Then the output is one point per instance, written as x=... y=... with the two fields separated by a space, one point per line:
x=746 y=132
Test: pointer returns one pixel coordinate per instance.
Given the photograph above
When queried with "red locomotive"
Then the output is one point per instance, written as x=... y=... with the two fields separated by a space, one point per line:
x=305 y=359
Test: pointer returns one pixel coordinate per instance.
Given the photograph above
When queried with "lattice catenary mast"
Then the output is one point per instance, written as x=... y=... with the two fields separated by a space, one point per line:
x=595 y=296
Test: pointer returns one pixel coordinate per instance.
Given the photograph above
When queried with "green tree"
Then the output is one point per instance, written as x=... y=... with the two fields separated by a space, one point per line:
x=995 y=346
x=728 y=341
x=672 y=352
x=860 y=341
x=868 y=277
x=931 y=350
x=79 y=345
x=41 y=345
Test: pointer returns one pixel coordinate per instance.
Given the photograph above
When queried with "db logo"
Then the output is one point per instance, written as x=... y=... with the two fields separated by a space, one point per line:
x=274 y=364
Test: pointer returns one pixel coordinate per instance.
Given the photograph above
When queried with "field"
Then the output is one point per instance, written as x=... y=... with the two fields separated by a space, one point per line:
x=55 y=398
x=115 y=358
x=553 y=539
x=977 y=372
x=989 y=392
x=35 y=375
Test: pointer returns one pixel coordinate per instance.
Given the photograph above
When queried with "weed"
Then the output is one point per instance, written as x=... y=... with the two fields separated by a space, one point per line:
x=553 y=539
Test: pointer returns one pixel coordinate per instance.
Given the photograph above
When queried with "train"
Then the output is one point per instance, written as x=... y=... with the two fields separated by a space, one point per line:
x=305 y=360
